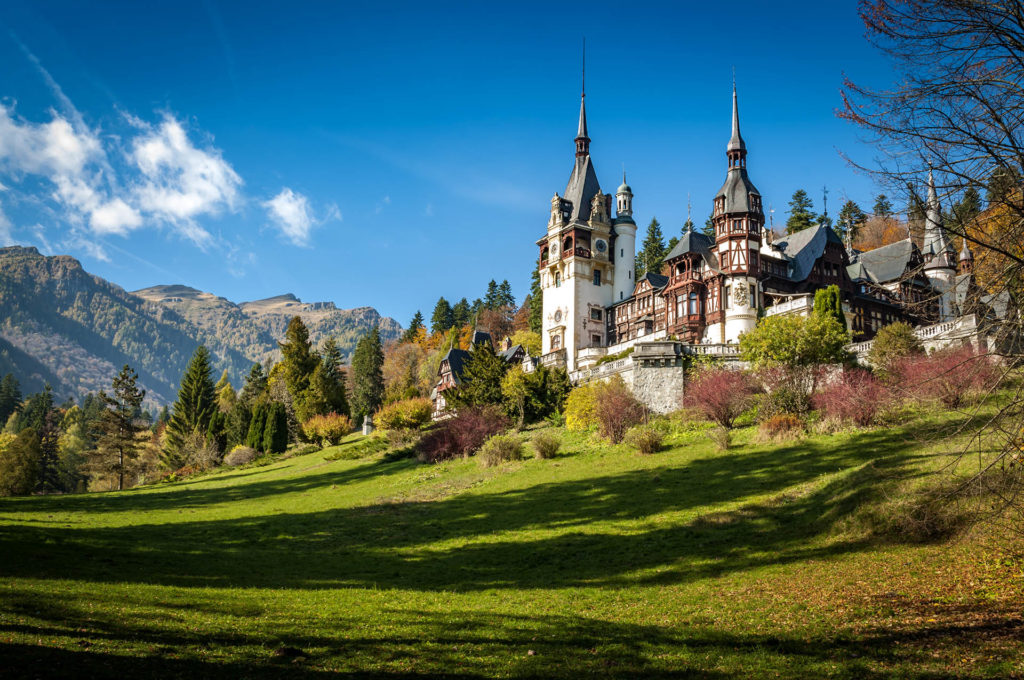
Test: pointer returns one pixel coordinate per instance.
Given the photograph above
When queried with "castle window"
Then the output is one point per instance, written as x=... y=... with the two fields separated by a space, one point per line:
x=556 y=342
x=597 y=277
x=753 y=298
x=727 y=298
x=558 y=280
x=694 y=304
x=595 y=314
x=595 y=340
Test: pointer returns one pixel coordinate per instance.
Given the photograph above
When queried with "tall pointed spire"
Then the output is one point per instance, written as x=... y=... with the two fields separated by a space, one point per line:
x=938 y=252
x=736 y=142
x=582 y=140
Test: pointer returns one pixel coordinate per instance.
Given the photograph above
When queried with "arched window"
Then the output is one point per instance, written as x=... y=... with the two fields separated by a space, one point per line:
x=556 y=342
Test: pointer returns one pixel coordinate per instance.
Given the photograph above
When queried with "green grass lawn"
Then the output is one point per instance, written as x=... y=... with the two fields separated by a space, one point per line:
x=688 y=563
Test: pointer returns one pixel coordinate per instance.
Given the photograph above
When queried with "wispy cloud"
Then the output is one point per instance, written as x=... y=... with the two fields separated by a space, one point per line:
x=292 y=214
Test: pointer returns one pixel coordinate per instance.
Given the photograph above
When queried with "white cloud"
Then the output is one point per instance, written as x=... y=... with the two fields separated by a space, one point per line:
x=114 y=217
x=5 y=227
x=292 y=214
x=180 y=181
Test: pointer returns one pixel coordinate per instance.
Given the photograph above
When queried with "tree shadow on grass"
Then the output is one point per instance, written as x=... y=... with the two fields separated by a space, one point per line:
x=591 y=532
x=470 y=644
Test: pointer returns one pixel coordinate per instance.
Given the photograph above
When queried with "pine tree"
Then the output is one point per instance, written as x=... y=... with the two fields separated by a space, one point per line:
x=709 y=227
x=237 y=429
x=851 y=219
x=275 y=434
x=491 y=300
x=255 y=386
x=10 y=396
x=481 y=379
x=652 y=252
x=217 y=431
x=258 y=423
x=226 y=396
x=414 y=327
x=536 y=303
x=461 y=314
x=329 y=380
x=298 y=358
x=883 y=207
x=801 y=212
x=964 y=210
x=505 y=296
x=367 y=376
x=443 y=318
x=196 y=402
x=119 y=428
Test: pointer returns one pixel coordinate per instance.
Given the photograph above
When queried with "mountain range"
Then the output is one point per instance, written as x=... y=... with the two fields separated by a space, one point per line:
x=63 y=326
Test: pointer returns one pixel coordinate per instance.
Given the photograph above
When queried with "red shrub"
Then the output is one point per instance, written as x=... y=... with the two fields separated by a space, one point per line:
x=617 y=409
x=720 y=394
x=462 y=434
x=948 y=375
x=855 y=396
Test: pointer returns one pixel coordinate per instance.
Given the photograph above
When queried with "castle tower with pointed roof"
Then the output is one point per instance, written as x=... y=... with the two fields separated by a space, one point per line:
x=938 y=253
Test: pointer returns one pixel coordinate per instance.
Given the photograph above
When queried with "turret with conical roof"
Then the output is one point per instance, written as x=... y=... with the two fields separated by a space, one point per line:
x=937 y=250
x=966 y=259
x=738 y=194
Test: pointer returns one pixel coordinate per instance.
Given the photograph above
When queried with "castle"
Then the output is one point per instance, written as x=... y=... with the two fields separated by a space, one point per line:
x=714 y=289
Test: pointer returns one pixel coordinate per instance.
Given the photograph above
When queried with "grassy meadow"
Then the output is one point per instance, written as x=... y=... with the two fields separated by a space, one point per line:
x=767 y=560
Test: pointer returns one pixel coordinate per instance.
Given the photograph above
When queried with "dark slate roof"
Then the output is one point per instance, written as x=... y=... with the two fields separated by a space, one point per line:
x=657 y=281
x=737 y=190
x=456 y=359
x=736 y=141
x=887 y=263
x=507 y=355
x=804 y=247
x=691 y=242
x=582 y=188
x=480 y=337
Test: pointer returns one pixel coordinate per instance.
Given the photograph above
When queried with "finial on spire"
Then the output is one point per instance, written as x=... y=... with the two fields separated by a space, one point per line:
x=824 y=199
x=736 y=142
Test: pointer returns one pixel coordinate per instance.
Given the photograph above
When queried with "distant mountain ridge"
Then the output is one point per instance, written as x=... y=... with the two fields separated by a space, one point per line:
x=63 y=326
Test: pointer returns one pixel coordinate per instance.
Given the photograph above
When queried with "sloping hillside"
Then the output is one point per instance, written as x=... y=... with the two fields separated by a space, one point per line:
x=763 y=561
x=82 y=329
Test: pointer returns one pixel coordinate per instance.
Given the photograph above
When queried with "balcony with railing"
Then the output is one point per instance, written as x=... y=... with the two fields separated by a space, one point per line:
x=799 y=305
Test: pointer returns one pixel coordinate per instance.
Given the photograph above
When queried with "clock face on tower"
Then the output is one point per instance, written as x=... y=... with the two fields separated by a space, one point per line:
x=600 y=245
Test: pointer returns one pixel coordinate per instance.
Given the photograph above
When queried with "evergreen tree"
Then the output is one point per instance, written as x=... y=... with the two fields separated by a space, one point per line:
x=461 y=314
x=652 y=252
x=828 y=302
x=475 y=309
x=801 y=212
x=481 y=379
x=443 y=318
x=329 y=380
x=195 y=404
x=36 y=411
x=165 y=415
x=505 y=296
x=414 y=327
x=237 y=428
x=275 y=434
x=217 y=431
x=255 y=386
x=883 y=207
x=119 y=427
x=298 y=359
x=1001 y=183
x=254 y=438
x=226 y=396
x=709 y=228
x=367 y=376
x=491 y=300
x=851 y=219
x=964 y=210
x=10 y=396
x=536 y=303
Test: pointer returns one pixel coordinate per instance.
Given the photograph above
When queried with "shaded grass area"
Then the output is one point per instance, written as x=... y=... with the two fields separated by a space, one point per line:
x=687 y=563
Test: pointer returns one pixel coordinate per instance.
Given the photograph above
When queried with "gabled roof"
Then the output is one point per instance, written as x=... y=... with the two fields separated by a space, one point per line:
x=456 y=359
x=691 y=242
x=582 y=188
x=656 y=281
x=479 y=338
x=509 y=353
x=887 y=263
x=804 y=247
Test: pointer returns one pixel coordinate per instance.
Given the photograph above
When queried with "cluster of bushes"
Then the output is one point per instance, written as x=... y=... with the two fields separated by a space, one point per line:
x=462 y=434
x=328 y=429
x=609 y=406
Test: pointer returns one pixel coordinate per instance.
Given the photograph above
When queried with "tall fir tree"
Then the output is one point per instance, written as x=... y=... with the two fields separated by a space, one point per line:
x=298 y=358
x=461 y=313
x=120 y=429
x=195 y=404
x=443 y=318
x=255 y=387
x=851 y=219
x=275 y=432
x=257 y=424
x=652 y=252
x=367 y=376
x=829 y=302
x=966 y=209
x=536 y=302
x=882 y=207
x=414 y=327
x=505 y=296
x=709 y=228
x=481 y=378
x=801 y=212
x=329 y=380
x=491 y=300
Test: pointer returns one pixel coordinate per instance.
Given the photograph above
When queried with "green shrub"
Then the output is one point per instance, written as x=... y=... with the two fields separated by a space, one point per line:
x=408 y=414
x=614 y=357
x=892 y=344
x=499 y=449
x=546 y=444
x=328 y=429
x=275 y=434
x=646 y=439
x=240 y=455
x=254 y=438
x=617 y=409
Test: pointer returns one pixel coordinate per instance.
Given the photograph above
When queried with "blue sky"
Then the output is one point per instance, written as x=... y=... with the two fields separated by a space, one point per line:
x=387 y=154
